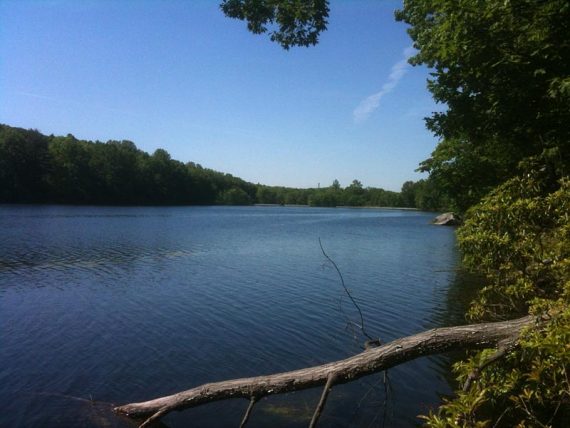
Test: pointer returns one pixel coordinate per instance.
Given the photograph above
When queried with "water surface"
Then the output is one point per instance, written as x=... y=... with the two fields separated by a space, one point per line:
x=104 y=305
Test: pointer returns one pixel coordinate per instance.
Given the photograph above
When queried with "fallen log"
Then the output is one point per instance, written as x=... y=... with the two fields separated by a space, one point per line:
x=435 y=341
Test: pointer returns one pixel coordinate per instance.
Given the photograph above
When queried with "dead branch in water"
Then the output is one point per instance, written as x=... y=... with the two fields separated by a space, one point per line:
x=435 y=341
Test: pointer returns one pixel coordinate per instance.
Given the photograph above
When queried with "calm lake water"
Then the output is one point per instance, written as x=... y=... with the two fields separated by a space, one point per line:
x=123 y=304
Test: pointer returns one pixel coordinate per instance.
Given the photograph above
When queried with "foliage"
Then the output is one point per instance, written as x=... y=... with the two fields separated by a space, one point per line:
x=235 y=196
x=355 y=195
x=40 y=168
x=519 y=236
x=464 y=173
x=425 y=195
x=408 y=193
x=529 y=388
x=23 y=165
x=289 y=22
x=57 y=169
x=501 y=70
x=329 y=197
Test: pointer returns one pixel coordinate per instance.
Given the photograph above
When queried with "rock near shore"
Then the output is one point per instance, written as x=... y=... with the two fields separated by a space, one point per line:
x=447 y=219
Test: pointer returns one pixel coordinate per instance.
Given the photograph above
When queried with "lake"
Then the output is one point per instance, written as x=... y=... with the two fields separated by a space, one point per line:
x=103 y=305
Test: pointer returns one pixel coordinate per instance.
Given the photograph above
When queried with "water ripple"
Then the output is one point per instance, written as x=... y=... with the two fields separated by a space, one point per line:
x=130 y=303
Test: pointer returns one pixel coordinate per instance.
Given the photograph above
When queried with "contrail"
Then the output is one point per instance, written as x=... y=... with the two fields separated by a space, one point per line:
x=371 y=103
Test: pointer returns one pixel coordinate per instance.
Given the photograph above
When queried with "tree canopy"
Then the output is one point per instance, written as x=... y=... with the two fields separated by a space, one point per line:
x=57 y=169
x=502 y=71
x=62 y=169
x=288 y=22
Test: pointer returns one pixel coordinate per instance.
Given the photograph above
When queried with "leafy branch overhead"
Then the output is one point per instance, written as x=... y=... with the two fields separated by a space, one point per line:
x=288 y=22
x=502 y=71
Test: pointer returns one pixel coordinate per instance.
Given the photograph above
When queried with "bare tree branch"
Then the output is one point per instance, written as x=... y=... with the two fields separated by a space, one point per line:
x=503 y=349
x=252 y=402
x=322 y=402
x=361 y=326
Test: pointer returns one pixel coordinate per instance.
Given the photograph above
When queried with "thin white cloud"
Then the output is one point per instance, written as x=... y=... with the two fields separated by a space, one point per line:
x=68 y=103
x=371 y=103
x=42 y=97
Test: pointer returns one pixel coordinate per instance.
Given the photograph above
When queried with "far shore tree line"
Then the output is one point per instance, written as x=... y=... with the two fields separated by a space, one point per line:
x=36 y=168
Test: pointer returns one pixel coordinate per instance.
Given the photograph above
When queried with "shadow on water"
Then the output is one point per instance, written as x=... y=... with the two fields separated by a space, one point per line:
x=68 y=411
x=462 y=291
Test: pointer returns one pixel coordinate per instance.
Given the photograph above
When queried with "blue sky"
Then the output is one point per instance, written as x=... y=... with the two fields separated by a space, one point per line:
x=179 y=75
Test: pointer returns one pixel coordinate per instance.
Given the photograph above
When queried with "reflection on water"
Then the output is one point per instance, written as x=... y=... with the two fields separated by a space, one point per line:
x=121 y=304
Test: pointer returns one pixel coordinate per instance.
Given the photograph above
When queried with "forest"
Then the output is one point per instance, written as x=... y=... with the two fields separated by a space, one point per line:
x=36 y=168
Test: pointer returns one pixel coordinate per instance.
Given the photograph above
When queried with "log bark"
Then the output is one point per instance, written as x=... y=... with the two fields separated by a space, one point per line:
x=435 y=341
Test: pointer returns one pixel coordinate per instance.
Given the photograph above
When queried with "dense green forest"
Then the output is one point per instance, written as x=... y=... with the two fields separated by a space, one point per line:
x=501 y=70
x=36 y=168
x=39 y=168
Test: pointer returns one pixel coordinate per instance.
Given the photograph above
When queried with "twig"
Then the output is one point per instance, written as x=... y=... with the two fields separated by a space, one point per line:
x=89 y=400
x=322 y=401
x=371 y=387
x=503 y=350
x=252 y=402
x=387 y=392
x=370 y=343
x=496 y=424
x=155 y=417
x=531 y=415
x=349 y=323
x=346 y=291
x=554 y=413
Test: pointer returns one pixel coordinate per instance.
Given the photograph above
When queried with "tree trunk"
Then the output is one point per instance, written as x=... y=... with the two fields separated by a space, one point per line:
x=370 y=361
